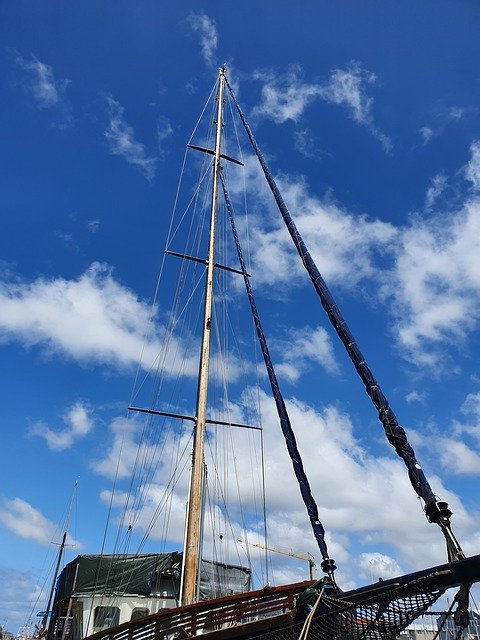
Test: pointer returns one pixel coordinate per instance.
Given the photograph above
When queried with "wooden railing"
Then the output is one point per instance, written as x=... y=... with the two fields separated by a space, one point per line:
x=210 y=616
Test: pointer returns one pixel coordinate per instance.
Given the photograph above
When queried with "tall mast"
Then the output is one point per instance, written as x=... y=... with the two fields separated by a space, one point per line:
x=191 y=557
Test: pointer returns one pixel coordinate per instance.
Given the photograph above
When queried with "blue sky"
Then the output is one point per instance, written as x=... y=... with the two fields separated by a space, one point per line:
x=368 y=115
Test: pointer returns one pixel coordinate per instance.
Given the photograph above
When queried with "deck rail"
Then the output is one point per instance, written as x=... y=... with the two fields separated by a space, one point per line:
x=207 y=616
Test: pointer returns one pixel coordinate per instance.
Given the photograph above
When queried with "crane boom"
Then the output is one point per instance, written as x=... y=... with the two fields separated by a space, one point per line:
x=307 y=557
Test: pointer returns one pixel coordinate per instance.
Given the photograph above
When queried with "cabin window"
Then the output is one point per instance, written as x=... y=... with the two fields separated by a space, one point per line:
x=105 y=617
x=138 y=613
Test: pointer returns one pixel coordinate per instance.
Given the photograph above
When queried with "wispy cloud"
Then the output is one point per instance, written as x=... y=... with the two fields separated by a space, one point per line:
x=441 y=119
x=27 y=522
x=303 y=347
x=456 y=445
x=457 y=113
x=79 y=424
x=93 y=225
x=207 y=30
x=415 y=396
x=46 y=91
x=121 y=138
x=306 y=144
x=348 y=87
x=164 y=131
x=472 y=170
x=285 y=97
x=426 y=133
x=469 y=425
x=435 y=190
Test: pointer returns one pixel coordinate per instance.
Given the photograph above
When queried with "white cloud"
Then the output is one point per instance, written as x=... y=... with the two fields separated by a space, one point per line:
x=343 y=245
x=19 y=592
x=428 y=270
x=434 y=191
x=79 y=424
x=375 y=566
x=121 y=137
x=207 y=29
x=92 y=318
x=457 y=113
x=354 y=491
x=426 y=133
x=29 y=523
x=472 y=170
x=305 y=144
x=286 y=97
x=47 y=91
x=164 y=130
x=415 y=396
x=436 y=283
x=442 y=119
x=347 y=87
x=458 y=457
x=453 y=445
x=459 y=452
x=123 y=455
x=434 y=287
x=472 y=404
x=303 y=347
x=93 y=225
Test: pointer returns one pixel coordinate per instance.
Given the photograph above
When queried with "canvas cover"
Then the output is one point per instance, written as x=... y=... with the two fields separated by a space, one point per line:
x=115 y=574
x=140 y=575
x=218 y=580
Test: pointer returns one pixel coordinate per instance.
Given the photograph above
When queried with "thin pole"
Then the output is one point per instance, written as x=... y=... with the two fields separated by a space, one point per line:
x=43 y=624
x=191 y=556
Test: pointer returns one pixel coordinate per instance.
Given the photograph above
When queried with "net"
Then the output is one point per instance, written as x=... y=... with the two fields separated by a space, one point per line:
x=378 y=618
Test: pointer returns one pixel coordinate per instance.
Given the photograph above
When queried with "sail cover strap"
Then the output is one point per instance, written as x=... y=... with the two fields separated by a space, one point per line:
x=319 y=532
x=436 y=511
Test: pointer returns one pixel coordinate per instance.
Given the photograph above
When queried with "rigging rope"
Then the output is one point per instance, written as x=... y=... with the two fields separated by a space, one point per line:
x=308 y=620
x=436 y=511
x=328 y=565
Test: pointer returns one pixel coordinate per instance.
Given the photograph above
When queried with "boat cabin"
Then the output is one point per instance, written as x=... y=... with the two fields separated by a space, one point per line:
x=96 y=592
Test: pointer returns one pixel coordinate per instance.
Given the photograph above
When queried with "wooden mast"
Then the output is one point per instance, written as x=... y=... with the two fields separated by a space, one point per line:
x=191 y=556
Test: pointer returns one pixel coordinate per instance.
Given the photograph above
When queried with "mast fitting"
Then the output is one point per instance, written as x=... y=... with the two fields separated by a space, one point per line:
x=438 y=511
x=328 y=566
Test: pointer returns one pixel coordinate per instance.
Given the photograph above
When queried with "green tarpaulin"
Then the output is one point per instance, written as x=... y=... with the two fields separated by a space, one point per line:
x=114 y=574
x=141 y=574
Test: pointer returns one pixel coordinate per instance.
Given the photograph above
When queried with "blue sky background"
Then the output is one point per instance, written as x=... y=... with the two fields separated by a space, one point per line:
x=368 y=114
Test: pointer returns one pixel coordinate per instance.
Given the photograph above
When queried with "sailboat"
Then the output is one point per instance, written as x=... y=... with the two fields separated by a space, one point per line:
x=153 y=596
